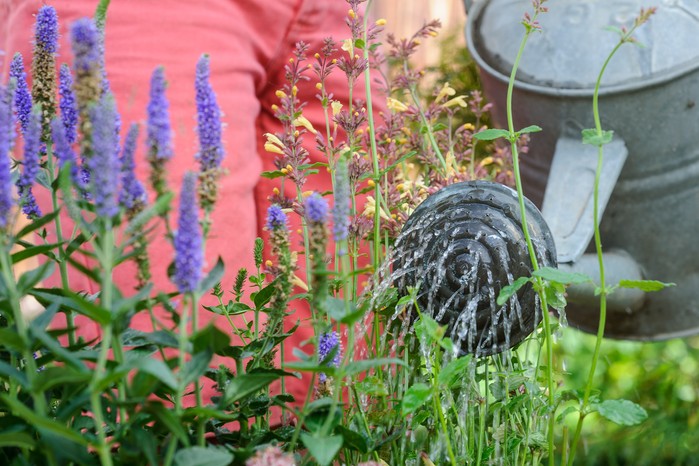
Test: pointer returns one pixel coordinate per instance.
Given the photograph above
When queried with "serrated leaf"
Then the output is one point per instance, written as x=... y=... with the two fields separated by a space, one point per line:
x=644 y=285
x=529 y=129
x=508 y=291
x=491 y=134
x=559 y=276
x=272 y=174
x=247 y=384
x=454 y=369
x=415 y=397
x=323 y=448
x=622 y=412
x=592 y=137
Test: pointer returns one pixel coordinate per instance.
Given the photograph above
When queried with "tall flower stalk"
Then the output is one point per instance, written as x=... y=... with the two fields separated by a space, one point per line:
x=44 y=66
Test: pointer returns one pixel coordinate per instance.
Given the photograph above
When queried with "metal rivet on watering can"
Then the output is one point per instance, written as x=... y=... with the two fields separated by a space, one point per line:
x=651 y=179
x=461 y=246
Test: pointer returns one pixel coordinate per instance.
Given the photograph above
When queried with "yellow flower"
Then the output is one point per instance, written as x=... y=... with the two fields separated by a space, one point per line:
x=370 y=209
x=281 y=94
x=269 y=147
x=396 y=105
x=469 y=127
x=303 y=121
x=336 y=107
x=444 y=92
x=381 y=22
x=459 y=100
x=347 y=45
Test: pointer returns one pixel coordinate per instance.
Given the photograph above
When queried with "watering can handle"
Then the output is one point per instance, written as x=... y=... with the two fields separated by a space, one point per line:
x=568 y=201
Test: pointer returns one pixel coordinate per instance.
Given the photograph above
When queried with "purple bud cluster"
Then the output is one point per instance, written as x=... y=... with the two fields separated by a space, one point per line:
x=276 y=218
x=23 y=98
x=104 y=163
x=85 y=43
x=32 y=148
x=189 y=256
x=7 y=135
x=316 y=208
x=46 y=30
x=209 y=125
x=159 y=138
x=326 y=345
x=68 y=105
x=132 y=193
x=64 y=151
x=341 y=210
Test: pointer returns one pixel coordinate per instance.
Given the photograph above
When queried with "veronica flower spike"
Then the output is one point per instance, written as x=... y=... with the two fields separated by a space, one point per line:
x=23 y=98
x=32 y=148
x=209 y=129
x=44 y=64
x=104 y=163
x=189 y=255
x=6 y=138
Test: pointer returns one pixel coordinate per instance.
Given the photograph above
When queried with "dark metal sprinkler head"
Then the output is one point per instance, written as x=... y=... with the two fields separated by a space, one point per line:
x=461 y=247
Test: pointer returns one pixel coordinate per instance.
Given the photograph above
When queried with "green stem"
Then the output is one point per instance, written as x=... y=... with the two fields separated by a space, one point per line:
x=530 y=247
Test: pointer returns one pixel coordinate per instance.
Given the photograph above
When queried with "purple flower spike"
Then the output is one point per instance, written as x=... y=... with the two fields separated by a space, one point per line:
x=85 y=41
x=32 y=146
x=208 y=119
x=316 y=208
x=189 y=256
x=46 y=31
x=159 y=139
x=104 y=163
x=69 y=108
x=6 y=139
x=132 y=192
x=64 y=151
x=326 y=344
x=341 y=211
x=276 y=218
x=23 y=98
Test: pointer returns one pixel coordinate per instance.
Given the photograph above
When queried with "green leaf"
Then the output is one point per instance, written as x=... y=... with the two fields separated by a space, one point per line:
x=491 y=134
x=622 y=412
x=12 y=373
x=195 y=367
x=272 y=174
x=529 y=129
x=247 y=384
x=31 y=278
x=644 y=285
x=20 y=410
x=353 y=439
x=372 y=386
x=160 y=370
x=414 y=397
x=340 y=313
x=52 y=376
x=33 y=251
x=17 y=439
x=559 y=276
x=213 y=277
x=160 y=207
x=507 y=291
x=359 y=43
x=592 y=137
x=357 y=367
x=262 y=297
x=169 y=420
x=323 y=448
x=200 y=456
x=455 y=368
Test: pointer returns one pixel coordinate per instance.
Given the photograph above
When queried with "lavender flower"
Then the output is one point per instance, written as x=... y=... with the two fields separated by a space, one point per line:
x=68 y=105
x=316 y=208
x=341 y=210
x=104 y=163
x=88 y=81
x=85 y=43
x=276 y=218
x=23 y=98
x=132 y=195
x=64 y=152
x=189 y=257
x=326 y=345
x=32 y=146
x=44 y=65
x=159 y=138
x=209 y=128
x=46 y=29
x=6 y=140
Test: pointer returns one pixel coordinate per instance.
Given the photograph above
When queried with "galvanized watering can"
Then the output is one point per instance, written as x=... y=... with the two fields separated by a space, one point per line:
x=650 y=185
